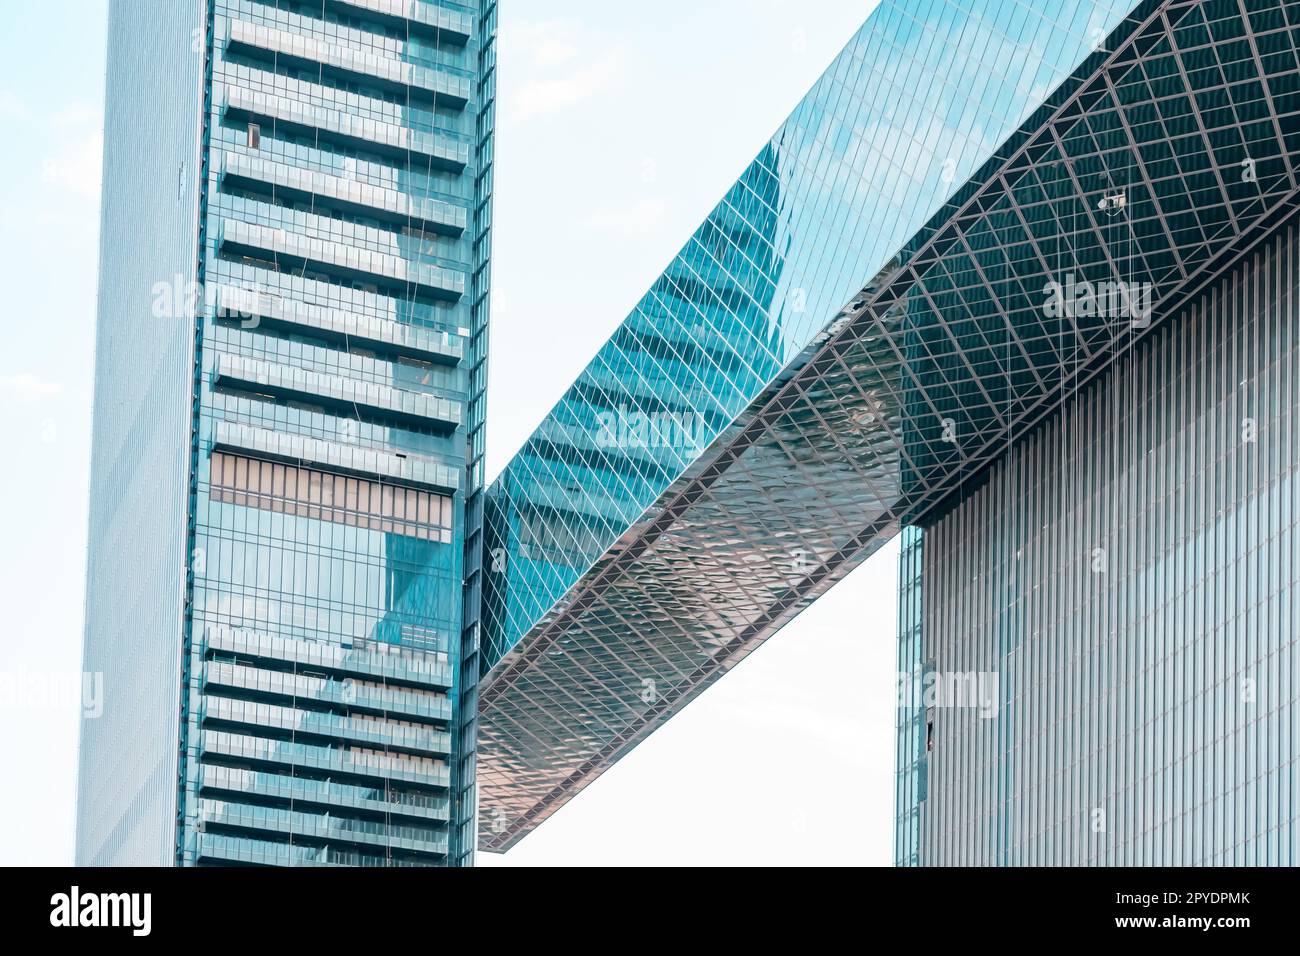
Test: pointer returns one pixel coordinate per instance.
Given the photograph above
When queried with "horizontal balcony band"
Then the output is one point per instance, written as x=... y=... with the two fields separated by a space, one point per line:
x=309 y=827
x=359 y=764
x=296 y=49
x=337 y=326
x=338 y=457
x=388 y=662
x=219 y=848
x=227 y=849
x=325 y=795
x=249 y=717
x=430 y=19
x=387 y=306
x=282 y=686
x=293 y=250
x=338 y=193
x=338 y=393
x=390 y=139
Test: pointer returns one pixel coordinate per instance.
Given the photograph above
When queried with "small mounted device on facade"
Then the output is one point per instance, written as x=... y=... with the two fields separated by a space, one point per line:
x=1112 y=203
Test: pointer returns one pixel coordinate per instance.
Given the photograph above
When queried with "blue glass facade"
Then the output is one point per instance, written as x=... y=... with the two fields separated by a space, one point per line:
x=335 y=296
x=907 y=112
x=955 y=253
x=631 y=568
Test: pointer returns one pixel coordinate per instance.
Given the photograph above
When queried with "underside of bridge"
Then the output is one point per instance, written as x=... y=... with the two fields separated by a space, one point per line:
x=1156 y=161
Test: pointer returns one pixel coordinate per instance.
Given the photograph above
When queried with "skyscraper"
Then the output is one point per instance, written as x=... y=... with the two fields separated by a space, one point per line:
x=1015 y=281
x=288 y=433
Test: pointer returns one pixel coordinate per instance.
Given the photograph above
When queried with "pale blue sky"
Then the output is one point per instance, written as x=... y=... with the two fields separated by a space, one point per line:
x=620 y=126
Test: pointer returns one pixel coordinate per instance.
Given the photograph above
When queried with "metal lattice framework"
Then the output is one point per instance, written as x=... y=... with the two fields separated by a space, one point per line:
x=1190 y=113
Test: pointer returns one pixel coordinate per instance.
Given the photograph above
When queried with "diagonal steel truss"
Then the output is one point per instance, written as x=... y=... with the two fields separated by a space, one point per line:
x=942 y=362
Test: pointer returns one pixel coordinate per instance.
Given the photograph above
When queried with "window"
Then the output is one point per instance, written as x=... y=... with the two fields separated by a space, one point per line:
x=306 y=492
x=254 y=136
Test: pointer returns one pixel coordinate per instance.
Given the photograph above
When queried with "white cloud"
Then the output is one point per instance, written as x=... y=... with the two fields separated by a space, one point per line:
x=542 y=42
x=11 y=105
x=27 y=388
x=557 y=64
x=546 y=96
x=78 y=114
x=629 y=220
x=77 y=166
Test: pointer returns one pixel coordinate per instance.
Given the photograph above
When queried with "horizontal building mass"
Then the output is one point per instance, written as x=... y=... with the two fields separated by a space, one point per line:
x=976 y=210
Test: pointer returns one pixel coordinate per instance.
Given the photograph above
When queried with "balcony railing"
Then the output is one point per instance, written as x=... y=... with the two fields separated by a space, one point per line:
x=362 y=763
x=350 y=459
x=447 y=88
x=390 y=136
x=322 y=794
x=293 y=249
x=293 y=182
x=397 y=405
x=389 y=662
x=346 y=693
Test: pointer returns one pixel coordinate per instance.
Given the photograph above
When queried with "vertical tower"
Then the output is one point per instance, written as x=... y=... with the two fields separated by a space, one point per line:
x=312 y=519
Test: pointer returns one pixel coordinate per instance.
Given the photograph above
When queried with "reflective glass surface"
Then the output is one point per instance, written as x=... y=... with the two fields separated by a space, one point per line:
x=336 y=292
x=912 y=106
x=1165 y=146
